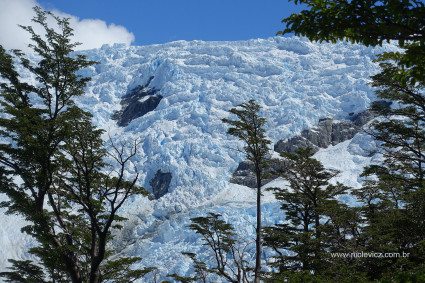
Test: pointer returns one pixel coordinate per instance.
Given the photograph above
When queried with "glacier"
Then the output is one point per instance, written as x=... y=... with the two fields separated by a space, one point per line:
x=297 y=82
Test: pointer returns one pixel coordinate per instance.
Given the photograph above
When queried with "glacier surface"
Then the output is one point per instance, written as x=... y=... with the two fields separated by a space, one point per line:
x=296 y=82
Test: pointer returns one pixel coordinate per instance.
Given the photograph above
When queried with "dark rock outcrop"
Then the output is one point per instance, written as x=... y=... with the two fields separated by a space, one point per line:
x=160 y=183
x=362 y=118
x=244 y=174
x=137 y=103
x=328 y=132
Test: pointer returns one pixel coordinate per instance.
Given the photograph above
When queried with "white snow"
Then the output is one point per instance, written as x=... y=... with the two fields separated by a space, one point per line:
x=297 y=82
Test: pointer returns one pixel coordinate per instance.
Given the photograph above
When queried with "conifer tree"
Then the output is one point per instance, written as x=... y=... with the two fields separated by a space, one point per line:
x=218 y=235
x=52 y=165
x=226 y=251
x=393 y=194
x=249 y=129
x=396 y=216
x=221 y=238
x=306 y=236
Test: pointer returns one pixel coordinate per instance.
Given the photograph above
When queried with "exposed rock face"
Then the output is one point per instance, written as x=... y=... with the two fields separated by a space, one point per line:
x=360 y=119
x=137 y=103
x=244 y=174
x=328 y=132
x=160 y=183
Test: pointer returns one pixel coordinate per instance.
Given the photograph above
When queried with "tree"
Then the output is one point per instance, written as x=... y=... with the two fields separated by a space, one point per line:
x=52 y=165
x=368 y=22
x=248 y=129
x=312 y=225
x=220 y=237
x=201 y=271
x=393 y=194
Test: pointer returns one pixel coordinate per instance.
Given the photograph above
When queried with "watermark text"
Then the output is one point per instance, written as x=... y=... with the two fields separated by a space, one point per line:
x=370 y=254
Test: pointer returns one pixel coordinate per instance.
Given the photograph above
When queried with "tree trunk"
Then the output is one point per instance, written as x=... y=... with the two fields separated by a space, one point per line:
x=73 y=271
x=258 y=238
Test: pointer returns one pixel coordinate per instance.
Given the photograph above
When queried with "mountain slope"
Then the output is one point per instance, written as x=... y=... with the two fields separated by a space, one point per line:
x=295 y=81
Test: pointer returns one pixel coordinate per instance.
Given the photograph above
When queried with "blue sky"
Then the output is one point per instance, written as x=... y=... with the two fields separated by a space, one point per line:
x=160 y=21
x=144 y=22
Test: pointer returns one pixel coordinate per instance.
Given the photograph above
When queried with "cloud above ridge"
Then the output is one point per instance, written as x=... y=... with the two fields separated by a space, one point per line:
x=92 y=33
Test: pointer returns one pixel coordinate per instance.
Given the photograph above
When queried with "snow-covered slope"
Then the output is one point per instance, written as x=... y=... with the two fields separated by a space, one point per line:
x=295 y=81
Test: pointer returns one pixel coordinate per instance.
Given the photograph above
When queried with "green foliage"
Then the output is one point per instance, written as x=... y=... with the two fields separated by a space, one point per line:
x=120 y=270
x=393 y=213
x=216 y=232
x=393 y=194
x=368 y=22
x=220 y=238
x=249 y=129
x=200 y=268
x=24 y=272
x=415 y=276
x=182 y=279
x=316 y=223
x=218 y=235
x=66 y=193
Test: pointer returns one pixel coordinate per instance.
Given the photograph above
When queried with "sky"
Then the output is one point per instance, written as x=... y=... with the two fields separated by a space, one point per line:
x=145 y=22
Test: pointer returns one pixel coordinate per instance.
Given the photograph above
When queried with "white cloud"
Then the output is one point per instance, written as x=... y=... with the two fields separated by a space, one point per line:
x=92 y=33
